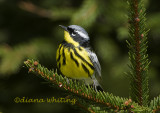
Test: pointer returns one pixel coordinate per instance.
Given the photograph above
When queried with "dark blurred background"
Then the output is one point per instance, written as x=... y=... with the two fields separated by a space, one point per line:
x=29 y=29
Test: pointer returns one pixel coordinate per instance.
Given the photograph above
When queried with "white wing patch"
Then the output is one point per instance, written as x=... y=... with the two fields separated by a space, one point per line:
x=82 y=34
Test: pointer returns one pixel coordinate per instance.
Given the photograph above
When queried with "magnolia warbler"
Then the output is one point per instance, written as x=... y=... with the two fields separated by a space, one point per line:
x=74 y=57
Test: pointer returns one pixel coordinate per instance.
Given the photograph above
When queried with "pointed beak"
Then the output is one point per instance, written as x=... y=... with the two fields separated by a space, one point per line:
x=64 y=27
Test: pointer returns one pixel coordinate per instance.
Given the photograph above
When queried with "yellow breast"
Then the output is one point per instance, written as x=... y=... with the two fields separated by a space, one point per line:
x=74 y=62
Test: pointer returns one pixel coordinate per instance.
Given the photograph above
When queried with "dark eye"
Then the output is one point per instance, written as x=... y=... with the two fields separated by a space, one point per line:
x=73 y=33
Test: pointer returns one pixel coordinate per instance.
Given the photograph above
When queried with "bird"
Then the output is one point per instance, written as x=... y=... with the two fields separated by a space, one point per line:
x=75 y=57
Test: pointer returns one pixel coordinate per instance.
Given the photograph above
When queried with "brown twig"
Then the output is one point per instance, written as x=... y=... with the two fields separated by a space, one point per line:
x=30 y=7
x=33 y=67
x=84 y=107
x=138 y=56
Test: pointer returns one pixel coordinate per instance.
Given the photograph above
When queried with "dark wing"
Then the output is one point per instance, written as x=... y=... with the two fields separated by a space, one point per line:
x=95 y=62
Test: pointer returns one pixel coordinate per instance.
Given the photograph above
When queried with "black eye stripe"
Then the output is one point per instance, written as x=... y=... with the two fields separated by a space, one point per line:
x=71 y=31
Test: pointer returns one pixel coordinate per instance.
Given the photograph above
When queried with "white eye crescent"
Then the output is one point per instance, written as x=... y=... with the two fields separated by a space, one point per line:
x=73 y=34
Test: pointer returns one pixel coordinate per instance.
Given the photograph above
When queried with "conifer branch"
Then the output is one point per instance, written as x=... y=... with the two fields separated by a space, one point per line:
x=80 y=91
x=137 y=53
x=155 y=104
x=53 y=14
x=136 y=33
x=30 y=7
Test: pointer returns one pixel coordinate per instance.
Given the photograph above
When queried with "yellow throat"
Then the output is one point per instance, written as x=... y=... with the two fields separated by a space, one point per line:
x=69 y=39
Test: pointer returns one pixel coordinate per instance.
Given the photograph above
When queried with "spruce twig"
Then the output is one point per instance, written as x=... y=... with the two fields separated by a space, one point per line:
x=53 y=14
x=137 y=53
x=155 y=104
x=80 y=91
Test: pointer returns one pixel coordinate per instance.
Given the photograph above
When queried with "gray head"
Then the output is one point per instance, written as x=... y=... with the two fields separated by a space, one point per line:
x=78 y=34
x=81 y=31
